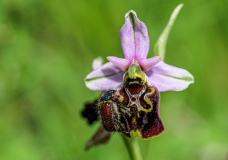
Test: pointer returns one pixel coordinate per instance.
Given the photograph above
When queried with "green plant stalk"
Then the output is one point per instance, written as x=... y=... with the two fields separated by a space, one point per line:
x=132 y=147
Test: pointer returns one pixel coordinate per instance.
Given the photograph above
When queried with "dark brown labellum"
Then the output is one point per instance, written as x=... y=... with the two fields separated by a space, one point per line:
x=142 y=102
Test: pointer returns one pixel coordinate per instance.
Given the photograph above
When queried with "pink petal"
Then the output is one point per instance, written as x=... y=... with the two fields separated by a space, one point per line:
x=122 y=64
x=134 y=37
x=169 y=78
x=104 y=70
x=97 y=62
x=147 y=64
x=106 y=77
x=105 y=83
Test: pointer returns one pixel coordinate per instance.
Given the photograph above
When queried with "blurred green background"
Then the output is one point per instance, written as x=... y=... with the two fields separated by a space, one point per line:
x=47 y=48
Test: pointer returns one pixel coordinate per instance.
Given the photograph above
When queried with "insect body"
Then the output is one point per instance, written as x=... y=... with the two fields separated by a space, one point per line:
x=111 y=113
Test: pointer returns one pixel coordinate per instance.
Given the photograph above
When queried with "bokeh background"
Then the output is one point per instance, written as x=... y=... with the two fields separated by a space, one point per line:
x=47 y=48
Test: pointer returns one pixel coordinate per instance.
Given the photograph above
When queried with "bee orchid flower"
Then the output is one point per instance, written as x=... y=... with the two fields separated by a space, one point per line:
x=135 y=44
x=154 y=74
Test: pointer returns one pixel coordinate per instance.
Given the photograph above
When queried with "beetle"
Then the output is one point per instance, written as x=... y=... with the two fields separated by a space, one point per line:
x=111 y=112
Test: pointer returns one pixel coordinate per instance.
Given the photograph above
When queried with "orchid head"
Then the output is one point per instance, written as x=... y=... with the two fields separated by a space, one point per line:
x=135 y=79
x=135 y=43
x=134 y=73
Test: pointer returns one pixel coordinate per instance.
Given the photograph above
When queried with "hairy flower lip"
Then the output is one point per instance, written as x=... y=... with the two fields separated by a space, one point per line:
x=135 y=43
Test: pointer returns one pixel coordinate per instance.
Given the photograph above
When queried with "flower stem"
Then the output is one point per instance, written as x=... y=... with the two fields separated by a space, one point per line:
x=132 y=147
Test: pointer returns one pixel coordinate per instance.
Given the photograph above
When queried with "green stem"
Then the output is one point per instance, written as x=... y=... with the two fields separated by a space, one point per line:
x=132 y=147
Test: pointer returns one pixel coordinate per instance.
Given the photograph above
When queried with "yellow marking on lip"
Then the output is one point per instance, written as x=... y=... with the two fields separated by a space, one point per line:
x=121 y=98
x=135 y=133
x=124 y=108
x=134 y=120
x=147 y=100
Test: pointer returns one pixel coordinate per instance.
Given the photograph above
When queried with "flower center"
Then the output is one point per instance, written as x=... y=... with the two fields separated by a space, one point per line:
x=134 y=88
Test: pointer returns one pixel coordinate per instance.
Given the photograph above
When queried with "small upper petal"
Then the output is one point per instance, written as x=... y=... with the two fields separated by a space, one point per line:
x=147 y=64
x=166 y=77
x=97 y=62
x=134 y=37
x=121 y=63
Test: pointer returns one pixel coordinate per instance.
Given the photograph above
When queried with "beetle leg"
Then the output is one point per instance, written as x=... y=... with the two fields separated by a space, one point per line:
x=123 y=105
x=121 y=127
x=130 y=112
x=125 y=108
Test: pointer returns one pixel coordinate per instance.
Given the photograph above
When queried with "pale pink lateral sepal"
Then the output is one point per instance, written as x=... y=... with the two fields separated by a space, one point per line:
x=169 y=78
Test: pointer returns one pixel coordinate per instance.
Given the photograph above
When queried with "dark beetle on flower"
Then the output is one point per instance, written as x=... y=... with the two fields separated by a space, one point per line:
x=133 y=108
x=111 y=111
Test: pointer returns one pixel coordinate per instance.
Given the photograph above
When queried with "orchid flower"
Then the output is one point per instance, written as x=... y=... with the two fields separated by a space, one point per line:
x=157 y=74
x=135 y=43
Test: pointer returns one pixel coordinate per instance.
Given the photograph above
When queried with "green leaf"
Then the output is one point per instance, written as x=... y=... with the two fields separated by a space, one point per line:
x=160 y=45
